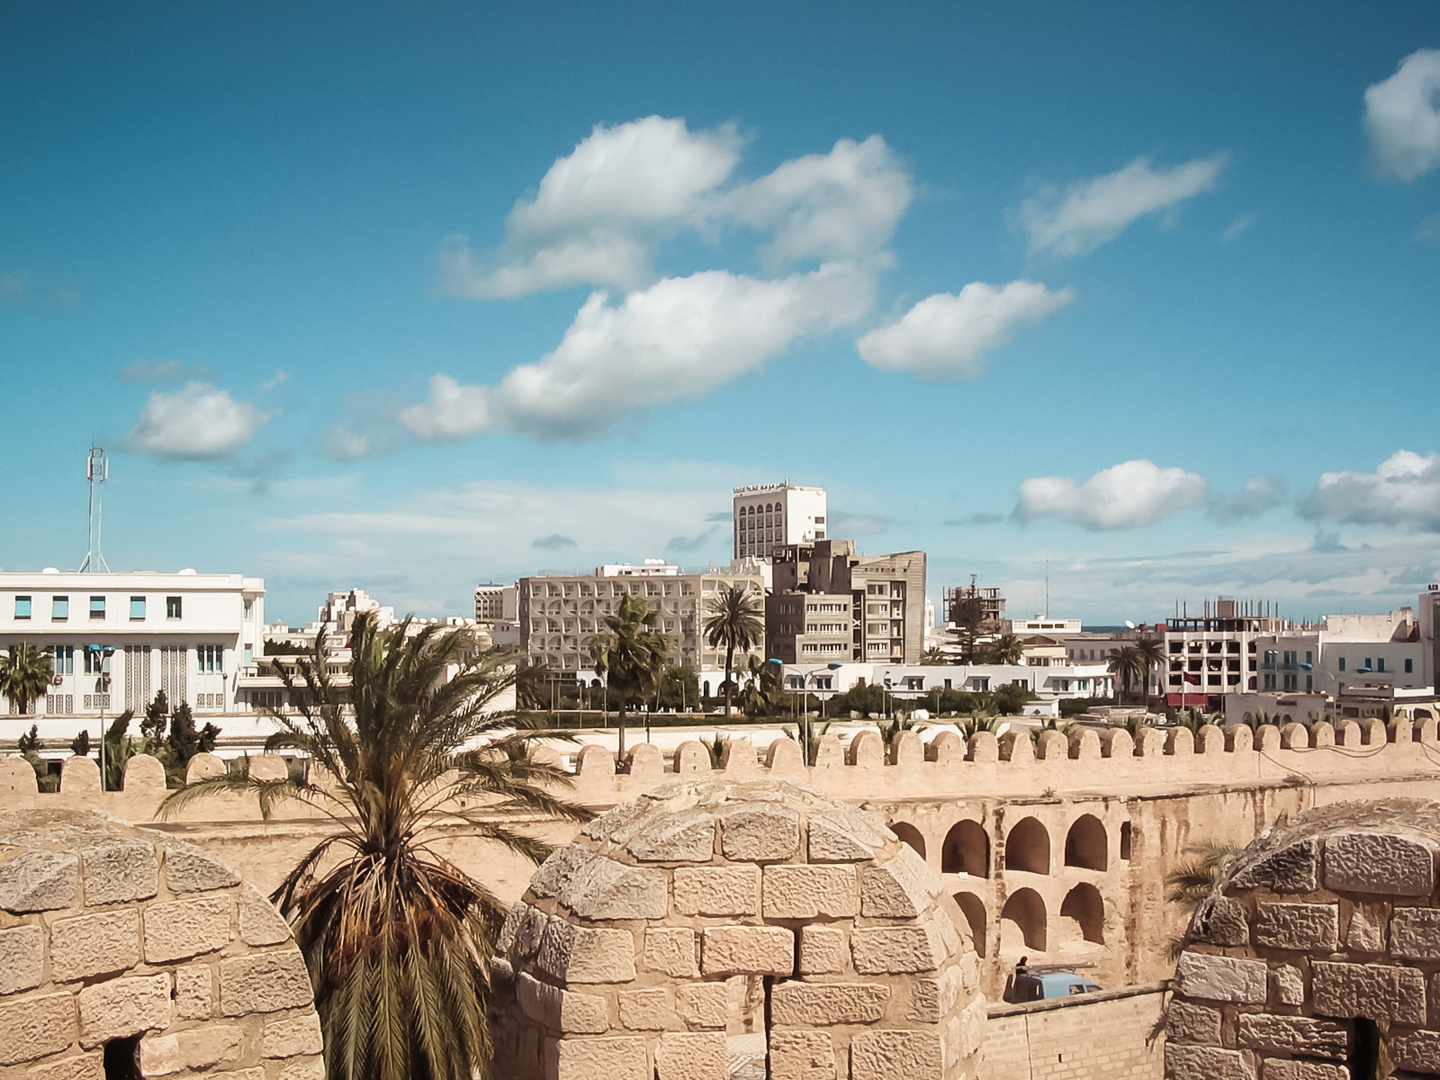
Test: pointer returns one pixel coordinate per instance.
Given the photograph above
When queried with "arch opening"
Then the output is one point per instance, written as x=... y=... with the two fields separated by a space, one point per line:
x=1027 y=847
x=1127 y=836
x=973 y=908
x=966 y=850
x=1086 y=844
x=1084 y=907
x=910 y=835
x=1022 y=923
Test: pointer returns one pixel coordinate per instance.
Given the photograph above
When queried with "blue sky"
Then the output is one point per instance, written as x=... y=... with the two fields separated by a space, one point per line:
x=412 y=299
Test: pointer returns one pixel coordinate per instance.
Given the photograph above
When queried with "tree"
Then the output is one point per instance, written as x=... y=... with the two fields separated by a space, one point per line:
x=24 y=674
x=80 y=745
x=1151 y=654
x=971 y=625
x=1191 y=881
x=762 y=690
x=532 y=686
x=631 y=656
x=119 y=747
x=397 y=938
x=734 y=619
x=1125 y=663
x=679 y=688
x=157 y=719
x=808 y=733
x=184 y=742
x=934 y=656
x=1005 y=649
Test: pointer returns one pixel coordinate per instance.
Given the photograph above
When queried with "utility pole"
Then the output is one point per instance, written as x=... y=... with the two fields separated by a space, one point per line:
x=97 y=471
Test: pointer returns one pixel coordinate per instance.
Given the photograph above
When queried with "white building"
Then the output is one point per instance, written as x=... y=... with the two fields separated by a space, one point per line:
x=497 y=610
x=771 y=516
x=915 y=681
x=1040 y=624
x=116 y=640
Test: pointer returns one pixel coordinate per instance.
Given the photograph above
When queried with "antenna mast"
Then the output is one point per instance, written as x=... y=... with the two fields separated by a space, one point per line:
x=97 y=471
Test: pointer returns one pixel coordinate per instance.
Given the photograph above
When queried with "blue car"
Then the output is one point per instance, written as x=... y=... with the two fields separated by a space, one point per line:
x=1035 y=986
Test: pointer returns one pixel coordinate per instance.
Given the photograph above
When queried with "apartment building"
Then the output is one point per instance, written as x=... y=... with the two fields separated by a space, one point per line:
x=831 y=604
x=497 y=610
x=1347 y=653
x=117 y=639
x=560 y=614
x=771 y=517
x=1217 y=652
x=964 y=603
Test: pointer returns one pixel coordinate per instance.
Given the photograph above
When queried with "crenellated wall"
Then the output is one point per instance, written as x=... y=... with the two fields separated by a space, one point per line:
x=1055 y=849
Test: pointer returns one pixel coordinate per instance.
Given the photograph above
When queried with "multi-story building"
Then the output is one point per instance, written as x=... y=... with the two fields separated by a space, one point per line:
x=1041 y=624
x=497 y=609
x=964 y=602
x=915 y=682
x=1217 y=652
x=116 y=640
x=560 y=614
x=770 y=517
x=833 y=604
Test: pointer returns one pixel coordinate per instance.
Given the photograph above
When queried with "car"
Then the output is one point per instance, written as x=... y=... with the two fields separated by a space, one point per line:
x=1039 y=985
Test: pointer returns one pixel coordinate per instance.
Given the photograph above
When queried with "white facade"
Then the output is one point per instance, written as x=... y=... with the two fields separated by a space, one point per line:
x=770 y=516
x=916 y=680
x=116 y=640
x=497 y=603
x=1040 y=624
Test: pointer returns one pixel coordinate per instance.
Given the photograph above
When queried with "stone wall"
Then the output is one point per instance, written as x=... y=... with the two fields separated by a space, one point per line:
x=1115 y=1035
x=121 y=941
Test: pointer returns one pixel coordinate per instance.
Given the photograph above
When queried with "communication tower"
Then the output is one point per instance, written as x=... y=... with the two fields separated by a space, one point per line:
x=97 y=471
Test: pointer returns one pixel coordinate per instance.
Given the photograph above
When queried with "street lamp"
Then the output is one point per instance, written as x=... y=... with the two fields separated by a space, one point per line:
x=805 y=681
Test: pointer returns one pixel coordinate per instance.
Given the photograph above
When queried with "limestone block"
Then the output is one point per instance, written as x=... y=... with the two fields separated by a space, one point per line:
x=885 y=1055
x=260 y=923
x=867 y=750
x=256 y=1073
x=747 y=950
x=119 y=870
x=89 y=945
x=31 y=1027
x=79 y=776
x=160 y=1055
x=1415 y=933
x=188 y=869
x=836 y=837
x=605 y=889
x=822 y=950
x=520 y=935
x=683 y=837
x=184 y=928
x=579 y=954
x=79 y=1067
x=39 y=881
x=292 y=1036
x=1301 y=927
x=1221 y=922
x=932 y=999
x=120 y=1008
x=1294 y=868
x=691 y=1056
x=1294 y=1035
x=1207 y=1063
x=798 y=1004
x=615 y=1058
x=194 y=992
x=897 y=949
x=1221 y=978
x=801 y=1055
x=803 y=892
x=17 y=777
x=703 y=1005
x=202 y=767
x=206 y=1046
x=562 y=865
x=22 y=958
x=1186 y=1022
x=1365 y=933
x=1287 y=986
x=1379 y=863
x=1418 y=1050
x=1377 y=991
x=264 y=982
x=717 y=890
x=898 y=889
x=302 y=1068
x=644 y=1010
x=561 y=1010
x=671 y=952
x=1276 y=1069
x=752 y=832
x=969 y=968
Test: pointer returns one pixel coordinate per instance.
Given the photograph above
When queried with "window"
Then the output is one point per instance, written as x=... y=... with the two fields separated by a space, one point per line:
x=249 y=609
x=172 y=607
x=137 y=607
x=97 y=607
x=1342 y=663
x=59 y=608
x=22 y=607
x=1409 y=666
x=249 y=656
x=1309 y=657
x=62 y=659
x=1380 y=664
x=210 y=659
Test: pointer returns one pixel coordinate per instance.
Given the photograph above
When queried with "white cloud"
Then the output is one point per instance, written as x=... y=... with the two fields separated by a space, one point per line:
x=1260 y=494
x=1238 y=227
x=1092 y=212
x=1403 y=490
x=947 y=337
x=1402 y=118
x=346 y=442
x=197 y=423
x=677 y=340
x=1429 y=228
x=152 y=371
x=1130 y=495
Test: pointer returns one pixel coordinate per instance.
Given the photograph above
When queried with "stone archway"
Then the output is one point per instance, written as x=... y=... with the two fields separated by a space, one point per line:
x=1027 y=847
x=1086 y=844
x=966 y=850
x=909 y=834
x=682 y=925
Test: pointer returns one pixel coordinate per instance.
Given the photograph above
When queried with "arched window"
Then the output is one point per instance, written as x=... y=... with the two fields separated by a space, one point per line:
x=966 y=850
x=1126 y=838
x=1027 y=847
x=910 y=835
x=1086 y=844
x=1083 y=906
x=973 y=908
x=1022 y=923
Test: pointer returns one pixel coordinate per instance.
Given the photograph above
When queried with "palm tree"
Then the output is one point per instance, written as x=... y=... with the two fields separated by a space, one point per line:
x=1126 y=663
x=1151 y=652
x=934 y=656
x=762 y=688
x=1190 y=882
x=1006 y=649
x=24 y=674
x=808 y=733
x=397 y=938
x=632 y=656
x=1195 y=719
x=734 y=619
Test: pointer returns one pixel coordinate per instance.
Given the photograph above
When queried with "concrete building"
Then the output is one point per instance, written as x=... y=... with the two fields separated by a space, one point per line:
x=770 y=517
x=990 y=601
x=497 y=610
x=915 y=681
x=560 y=614
x=832 y=604
x=117 y=639
x=1217 y=652
x=1041 y=624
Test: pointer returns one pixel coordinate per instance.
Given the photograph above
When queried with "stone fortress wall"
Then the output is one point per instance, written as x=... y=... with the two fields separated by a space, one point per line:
x=1056 y=850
